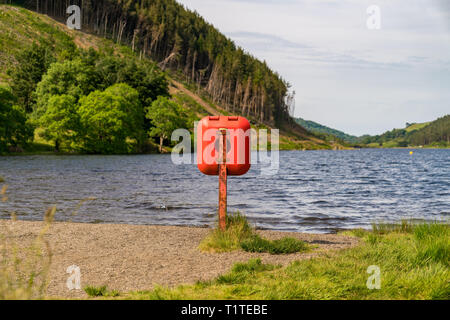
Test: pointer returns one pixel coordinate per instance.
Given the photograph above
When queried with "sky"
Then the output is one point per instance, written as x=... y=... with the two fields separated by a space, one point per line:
x=348 y=73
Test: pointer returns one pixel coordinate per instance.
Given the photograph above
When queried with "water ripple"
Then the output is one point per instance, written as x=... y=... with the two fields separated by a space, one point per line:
x=316 y=191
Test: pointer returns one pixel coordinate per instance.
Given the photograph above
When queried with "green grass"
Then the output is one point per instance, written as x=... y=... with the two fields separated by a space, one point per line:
x=417 y=126
x=95 y=291
x=404 y=226
x=189 y=102
x=391 y=144
x=241 y=271
x=238 y=229
x=413 y=261
x=240 y=235
x=100 y=292
x=20 y=28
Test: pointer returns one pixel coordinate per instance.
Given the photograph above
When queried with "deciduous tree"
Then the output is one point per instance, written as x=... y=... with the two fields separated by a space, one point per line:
x=112 y=120
x=61 y=121
x=15 y=131
x=165 y=116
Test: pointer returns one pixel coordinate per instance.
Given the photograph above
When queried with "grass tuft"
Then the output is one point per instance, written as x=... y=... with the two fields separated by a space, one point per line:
x=432 y=242
x=237 y=230
x=100 y=292
x=405 y=226
x=240 y=235
x=95 y=291
x=359 y=233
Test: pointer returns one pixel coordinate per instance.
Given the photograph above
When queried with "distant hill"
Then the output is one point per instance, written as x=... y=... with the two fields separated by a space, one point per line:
x=317 y=128
x=429 y=134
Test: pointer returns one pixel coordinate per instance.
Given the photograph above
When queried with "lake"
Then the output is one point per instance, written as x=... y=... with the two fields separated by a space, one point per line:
x=314 y=191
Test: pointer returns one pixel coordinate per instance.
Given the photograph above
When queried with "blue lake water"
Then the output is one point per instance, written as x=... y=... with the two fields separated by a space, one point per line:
x=314 y=191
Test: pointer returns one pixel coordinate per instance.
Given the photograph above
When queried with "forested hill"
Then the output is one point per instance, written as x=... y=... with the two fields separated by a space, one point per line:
x=429 y=134
x=182 y=40
x=73 y=91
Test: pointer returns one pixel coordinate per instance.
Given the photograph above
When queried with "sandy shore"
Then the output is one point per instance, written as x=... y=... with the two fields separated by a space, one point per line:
x=129 y=258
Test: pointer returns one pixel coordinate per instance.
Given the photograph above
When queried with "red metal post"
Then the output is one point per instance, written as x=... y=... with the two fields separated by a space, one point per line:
x=223 y=179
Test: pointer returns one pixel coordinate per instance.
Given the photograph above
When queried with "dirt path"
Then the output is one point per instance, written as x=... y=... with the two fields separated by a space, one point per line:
x=128 y=258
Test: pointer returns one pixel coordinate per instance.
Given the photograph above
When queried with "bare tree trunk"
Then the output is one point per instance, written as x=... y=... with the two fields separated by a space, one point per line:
x=106 y=24
x=161 y=141
x=121 y=29
x=193 y=66
x=246 y=96
x=133 y=43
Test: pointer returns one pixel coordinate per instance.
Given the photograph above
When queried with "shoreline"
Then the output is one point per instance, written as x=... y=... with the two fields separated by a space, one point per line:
x=332 y=231
x=139 y=257
x=53 y=153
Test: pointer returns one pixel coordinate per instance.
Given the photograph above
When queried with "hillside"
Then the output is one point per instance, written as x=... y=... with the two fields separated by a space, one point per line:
x=182 y=41
x=21 y=28
x=429 y=134
x=416 y=126
x=321 y=129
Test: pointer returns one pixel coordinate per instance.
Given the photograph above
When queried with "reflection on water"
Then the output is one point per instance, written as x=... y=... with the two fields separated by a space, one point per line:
x=314 y=191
